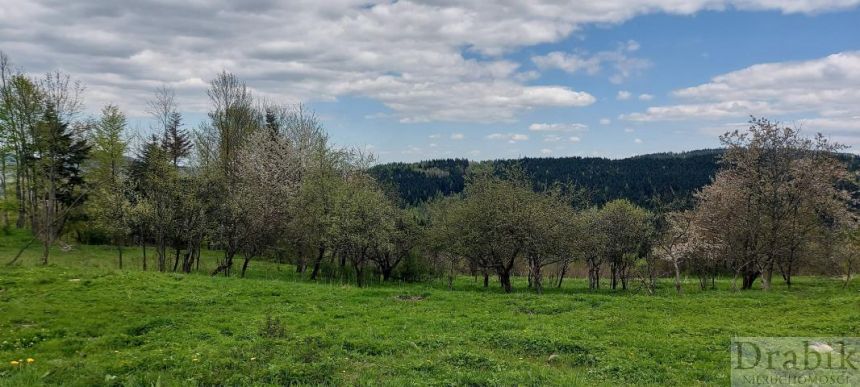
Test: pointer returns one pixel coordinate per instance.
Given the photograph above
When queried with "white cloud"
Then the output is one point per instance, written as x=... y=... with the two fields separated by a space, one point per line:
x=552 y=138
x=645 y=97
x=605 y=121
x=510 y=137
x=824 y=93
x=519 y=137
x=619 y=60
x=411 y=150
x=628 y=130
x=622 y=95
x=413 y=57
x=433 y=136
x=575 y=139
x=457 y=136
x=558 y=127
x=638 y=140
x=546 y=151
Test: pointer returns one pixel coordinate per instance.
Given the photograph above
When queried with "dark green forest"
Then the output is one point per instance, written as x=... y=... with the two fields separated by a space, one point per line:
x=655 y=181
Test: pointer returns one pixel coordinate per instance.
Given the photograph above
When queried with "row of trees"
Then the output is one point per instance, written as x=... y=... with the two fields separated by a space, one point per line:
x=256 y=180
x=781 y=203
x=261 y=180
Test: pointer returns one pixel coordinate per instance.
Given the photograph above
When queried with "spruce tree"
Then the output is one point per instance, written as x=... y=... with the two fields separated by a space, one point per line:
x=175 y=140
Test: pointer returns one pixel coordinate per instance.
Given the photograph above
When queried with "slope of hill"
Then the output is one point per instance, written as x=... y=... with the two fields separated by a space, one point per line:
x=646 y=180
x=652 y=180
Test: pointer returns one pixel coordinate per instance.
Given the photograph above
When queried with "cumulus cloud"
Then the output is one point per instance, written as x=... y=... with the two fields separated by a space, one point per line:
x=509 y=137
x=645 y=97
x=622 y=95
x=457 y=136
x=620 y=61
x=416 y=58
x=824 y=92
x=557 y=127
x=605 y=121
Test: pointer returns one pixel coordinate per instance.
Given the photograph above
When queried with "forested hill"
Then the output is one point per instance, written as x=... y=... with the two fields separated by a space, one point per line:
x=667 y=176
x=648 y=180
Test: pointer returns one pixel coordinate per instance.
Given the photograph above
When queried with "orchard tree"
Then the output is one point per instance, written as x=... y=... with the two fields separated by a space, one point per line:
x=232 y=120
x=268 y=182
x=675 y=243
x=776 y=193
x=362 y=222
x=626 y=228
x=493 y=222
x=402 y=239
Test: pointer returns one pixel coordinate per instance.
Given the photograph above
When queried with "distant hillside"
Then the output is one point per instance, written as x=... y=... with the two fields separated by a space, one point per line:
x=649 y=180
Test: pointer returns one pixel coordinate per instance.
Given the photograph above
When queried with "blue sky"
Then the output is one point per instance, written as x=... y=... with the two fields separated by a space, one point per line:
x=412 y=81
x=682 y=51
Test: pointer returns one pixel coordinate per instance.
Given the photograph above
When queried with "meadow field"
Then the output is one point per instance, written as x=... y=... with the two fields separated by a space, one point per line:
x=81 y=321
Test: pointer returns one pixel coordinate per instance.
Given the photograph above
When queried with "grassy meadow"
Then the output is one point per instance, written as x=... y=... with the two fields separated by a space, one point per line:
x=83 y=322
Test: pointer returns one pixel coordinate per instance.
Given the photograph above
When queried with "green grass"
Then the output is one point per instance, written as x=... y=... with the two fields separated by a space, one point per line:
x=86 y=323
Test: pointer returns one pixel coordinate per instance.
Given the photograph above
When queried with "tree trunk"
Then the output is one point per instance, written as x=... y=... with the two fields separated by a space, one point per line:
x=537 y=280
x=749 y=279
x=561 y=274
x=245 y=265
x=505 y=279
x=176 y=261
x=143 y=244
x=677 y=276
x=359 y=278
x=486 y=279
x=386 y=273
x=613 y=270
x=320 y=254
x=225 y=265
x=766 y=277
x=48 y=229
x=119 y=250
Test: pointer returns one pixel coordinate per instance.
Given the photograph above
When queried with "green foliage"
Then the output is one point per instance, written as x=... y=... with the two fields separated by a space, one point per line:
x=109 y=204
x=59 y=158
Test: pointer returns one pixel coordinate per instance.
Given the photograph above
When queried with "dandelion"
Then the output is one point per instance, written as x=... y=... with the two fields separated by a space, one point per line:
x=195 y=359
x=30 y=360
x=14 y=363
x=253 y=358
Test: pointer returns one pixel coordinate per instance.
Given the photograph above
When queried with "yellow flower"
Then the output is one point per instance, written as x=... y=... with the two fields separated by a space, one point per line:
x=253 y=358
x=30 y=360
x=14 y=363
x=195 y=359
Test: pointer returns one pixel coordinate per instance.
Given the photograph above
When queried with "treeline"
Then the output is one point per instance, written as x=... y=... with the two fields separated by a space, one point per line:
x=647 y=181
x=654 y=181
x=259 y=180
x=781 y=203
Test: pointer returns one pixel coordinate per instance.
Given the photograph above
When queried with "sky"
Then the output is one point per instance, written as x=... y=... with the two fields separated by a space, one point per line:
x=417 y=80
